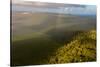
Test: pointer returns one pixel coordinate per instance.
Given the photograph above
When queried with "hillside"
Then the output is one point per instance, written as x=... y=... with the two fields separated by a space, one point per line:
x=82 y=48
x=79 y=47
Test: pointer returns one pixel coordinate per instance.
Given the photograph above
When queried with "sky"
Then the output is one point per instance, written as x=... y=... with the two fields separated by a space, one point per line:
x=88 y=10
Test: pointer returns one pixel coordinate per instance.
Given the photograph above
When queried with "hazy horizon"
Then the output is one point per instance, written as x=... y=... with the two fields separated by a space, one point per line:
x=74 y=9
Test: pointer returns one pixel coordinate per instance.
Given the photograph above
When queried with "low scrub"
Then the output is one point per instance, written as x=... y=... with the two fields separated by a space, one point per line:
x=82 y=48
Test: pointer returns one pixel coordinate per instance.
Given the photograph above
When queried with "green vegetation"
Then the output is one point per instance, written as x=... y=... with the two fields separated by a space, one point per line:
x=46 y=49
x=81 y=49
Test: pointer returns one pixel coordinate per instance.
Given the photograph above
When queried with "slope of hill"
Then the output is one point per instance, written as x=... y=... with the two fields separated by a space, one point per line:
x=81 y=49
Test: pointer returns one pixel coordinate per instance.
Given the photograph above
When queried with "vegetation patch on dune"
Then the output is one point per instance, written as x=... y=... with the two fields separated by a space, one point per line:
x=82 y=48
